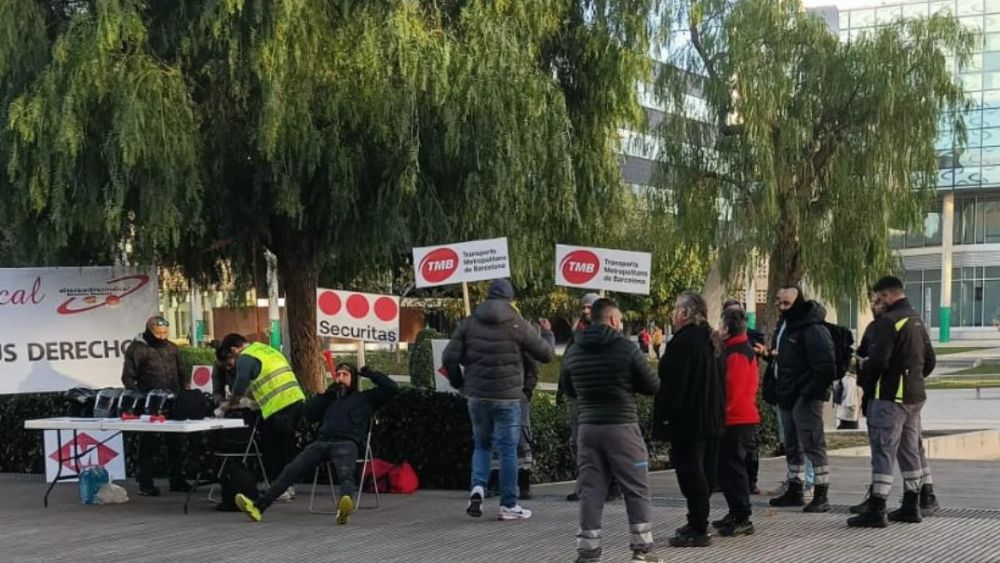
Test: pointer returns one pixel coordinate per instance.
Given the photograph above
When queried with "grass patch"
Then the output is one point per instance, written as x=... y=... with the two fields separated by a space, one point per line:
x=984 y=369
x=964 y=382
x=946 y=351
x=841 y=440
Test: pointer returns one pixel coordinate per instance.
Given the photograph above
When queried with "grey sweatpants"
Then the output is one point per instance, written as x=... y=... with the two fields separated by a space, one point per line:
x=804 y=437
x=605 y=451
x=894 y=433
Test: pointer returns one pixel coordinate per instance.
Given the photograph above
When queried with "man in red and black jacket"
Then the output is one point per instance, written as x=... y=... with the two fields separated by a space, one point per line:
x=742 y=418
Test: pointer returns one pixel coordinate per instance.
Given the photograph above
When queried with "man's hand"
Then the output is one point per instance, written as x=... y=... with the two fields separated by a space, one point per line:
x=545 y=325
x=761 y=350
x=365 y=372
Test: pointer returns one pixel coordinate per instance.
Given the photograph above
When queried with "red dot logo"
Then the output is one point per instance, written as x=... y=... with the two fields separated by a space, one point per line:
x=202 y=375
x=439 y=265
x=386 y=309
x=580 y=266
x=357 y=306
x=329 y=303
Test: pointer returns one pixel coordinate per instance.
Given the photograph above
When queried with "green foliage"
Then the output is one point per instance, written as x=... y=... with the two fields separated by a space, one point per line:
x=813 y=148
x=195 y=356
x=422 y=359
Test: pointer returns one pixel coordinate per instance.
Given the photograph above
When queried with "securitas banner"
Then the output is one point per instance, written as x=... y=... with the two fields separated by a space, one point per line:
x=357 y=316
x=602 y=268
x=69 y=327
x=461 y=262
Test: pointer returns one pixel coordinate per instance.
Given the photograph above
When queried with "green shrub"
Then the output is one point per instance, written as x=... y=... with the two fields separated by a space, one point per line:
x=195 y=356
x=422 y=359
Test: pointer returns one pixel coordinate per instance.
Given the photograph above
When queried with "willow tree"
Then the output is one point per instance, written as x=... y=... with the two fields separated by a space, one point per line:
x=336 y=134
x=811 y=149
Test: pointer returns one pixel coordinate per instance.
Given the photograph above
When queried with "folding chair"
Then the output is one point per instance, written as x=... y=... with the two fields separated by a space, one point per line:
x=366 y=461
x=252 y=450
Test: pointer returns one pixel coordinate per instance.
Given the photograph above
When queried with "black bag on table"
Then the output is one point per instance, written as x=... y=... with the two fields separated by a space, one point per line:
x=80 y=402
x=192 y=404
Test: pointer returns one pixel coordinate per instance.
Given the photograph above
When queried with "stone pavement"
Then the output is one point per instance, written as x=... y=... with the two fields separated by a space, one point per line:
x=431 y=526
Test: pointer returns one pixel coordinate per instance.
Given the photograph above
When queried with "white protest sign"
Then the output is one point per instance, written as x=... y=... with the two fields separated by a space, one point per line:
x=602 y=268
x=461 y=262
x=201 y=378
x=69 y=327
x=441 y=383
x=357 y=316
x=110 y=455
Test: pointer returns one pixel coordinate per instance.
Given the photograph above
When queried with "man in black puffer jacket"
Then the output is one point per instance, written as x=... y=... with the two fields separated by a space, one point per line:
x=491 y=346
x=602 y=372
x=153 y=362
x=802 y=370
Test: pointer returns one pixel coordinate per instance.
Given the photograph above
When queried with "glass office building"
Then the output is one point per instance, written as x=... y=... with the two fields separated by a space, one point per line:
x=953 y=262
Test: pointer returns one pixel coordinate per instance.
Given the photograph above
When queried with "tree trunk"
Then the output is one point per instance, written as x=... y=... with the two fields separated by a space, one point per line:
x=300 y=277
x=784 y=270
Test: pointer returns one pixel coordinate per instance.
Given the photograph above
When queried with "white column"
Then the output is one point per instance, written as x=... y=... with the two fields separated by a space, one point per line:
x=947 y=242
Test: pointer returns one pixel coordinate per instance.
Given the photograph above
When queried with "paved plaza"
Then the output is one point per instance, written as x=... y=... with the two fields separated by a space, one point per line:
x=431 y=526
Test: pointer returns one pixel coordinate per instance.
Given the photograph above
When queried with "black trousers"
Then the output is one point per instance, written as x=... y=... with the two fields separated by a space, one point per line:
x=733 y=449
x=696 y=464
x=278 y=439
x=343 y=455
x=150 y=446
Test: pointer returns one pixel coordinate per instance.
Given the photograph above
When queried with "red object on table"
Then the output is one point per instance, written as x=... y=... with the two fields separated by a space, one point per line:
x=129 y=416
x=328 y=356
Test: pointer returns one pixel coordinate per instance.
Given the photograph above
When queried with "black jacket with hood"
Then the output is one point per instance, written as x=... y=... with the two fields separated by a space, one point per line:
x=491 y=345
x=344 y=415
x=691 y=404
x=151 y=363
x=899 y=356
x=603 y=371
x=806 y=364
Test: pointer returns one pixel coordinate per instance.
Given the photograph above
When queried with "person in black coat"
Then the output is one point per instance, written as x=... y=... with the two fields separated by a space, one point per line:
x=689 y=411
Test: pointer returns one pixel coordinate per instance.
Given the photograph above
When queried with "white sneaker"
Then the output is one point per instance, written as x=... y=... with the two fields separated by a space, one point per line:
x=291 y=491
x=514 y=513
x=284 y=497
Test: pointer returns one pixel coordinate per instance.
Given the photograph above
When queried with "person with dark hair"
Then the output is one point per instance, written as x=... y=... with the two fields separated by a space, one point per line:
x=602 y=372
x=742 y=418
x=152 y=362
x=491 y=345
x=755 y=338
x=799 y=379
x=344 y=413
x=900 y=356
x=689 y=412
x=266 y=374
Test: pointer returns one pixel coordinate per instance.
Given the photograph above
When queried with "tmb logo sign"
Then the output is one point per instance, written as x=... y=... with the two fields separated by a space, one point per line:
x=101 y=454
x=439 y=265
x=580 y=266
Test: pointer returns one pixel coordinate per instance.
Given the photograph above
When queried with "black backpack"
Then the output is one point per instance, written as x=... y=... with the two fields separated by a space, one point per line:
x=236 y=479
x=843 y=347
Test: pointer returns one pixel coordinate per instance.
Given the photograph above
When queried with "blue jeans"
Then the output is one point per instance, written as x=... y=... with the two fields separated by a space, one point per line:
x=496 y=424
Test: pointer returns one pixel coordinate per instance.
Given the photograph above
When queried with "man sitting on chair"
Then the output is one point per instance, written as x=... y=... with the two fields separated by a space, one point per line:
x=345 y=412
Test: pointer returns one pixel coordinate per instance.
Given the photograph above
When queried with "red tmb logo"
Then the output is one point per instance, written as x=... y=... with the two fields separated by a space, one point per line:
x=438 y=265
x=101 y=454
x=580 y=266
x=202 y=376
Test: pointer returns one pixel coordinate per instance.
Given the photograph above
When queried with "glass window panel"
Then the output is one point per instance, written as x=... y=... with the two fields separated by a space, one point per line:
x=897 y=239
x=991 y=220
x=991 y=117
x=856 y=34
x=932 y=275
x=970 y=7
x=932 y=228
x=967 y=273
x=991 y=42
x=966 y=176
x=991 y=60
x=970 y=158
x=845 y=36
x=991 y=99
x=991 y=175
x=915 y=293
x=965 y=221
x=863 y=18
x=934 y=290
x=974 y=23
x=991 y=137
x=973 y=118
x=943 y=145
x=943 y=7
x=977 y=306
x=917 y=10
x=975 y=63
x=991 y=300
x=956 y=274
x=991 y=80
x=991 y=6
x=972 y=82
x=993 y=272
x=991 y=156
x=890 y=14
x=946 y=178
x=913 y=276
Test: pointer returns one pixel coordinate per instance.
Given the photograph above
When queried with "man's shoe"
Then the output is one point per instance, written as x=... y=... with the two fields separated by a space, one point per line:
x=639 y=556
x=149 y=490
x=180 y=486
x=779 y=490
x=686 y=537
x=285 y=496
x=584 y=559
x=909 y=510
x=247 y=505
x=726 y=520
x=819 y=502
x=344 y=509
x=515 y=512
x=573 y=497
x=873 y=517
x=862 y=506
x=735 y=529
x=291 y=491
x=928 y=501
x=792 y=496
x=475 y=508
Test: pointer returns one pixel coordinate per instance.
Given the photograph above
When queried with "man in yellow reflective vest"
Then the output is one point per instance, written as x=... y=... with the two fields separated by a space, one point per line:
x=266 y=374
x=900 y=356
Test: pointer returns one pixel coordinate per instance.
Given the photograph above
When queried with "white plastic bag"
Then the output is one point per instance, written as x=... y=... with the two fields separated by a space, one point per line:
x=110 y=493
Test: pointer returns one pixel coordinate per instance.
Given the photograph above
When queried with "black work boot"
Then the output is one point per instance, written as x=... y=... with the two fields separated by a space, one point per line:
x=524 y=484
x=862 y=506
x=909 y=511
x=792 y=496
x=928 y=501
x=873 y=517
x=819 y=502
